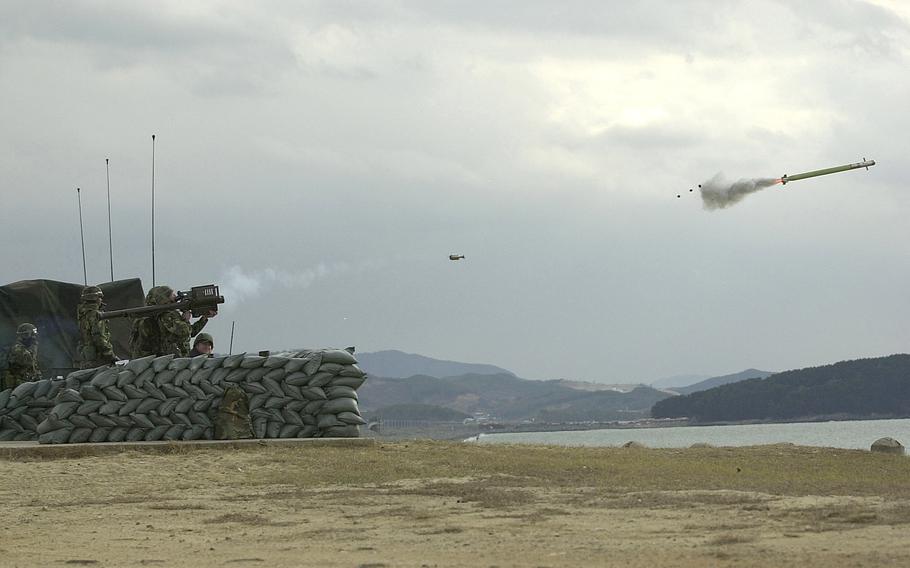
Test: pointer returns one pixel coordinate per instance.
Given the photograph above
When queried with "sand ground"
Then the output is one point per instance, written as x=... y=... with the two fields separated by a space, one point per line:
x=442 y=504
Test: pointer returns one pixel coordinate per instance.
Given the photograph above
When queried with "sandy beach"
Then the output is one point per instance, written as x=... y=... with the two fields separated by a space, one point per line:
x=448 y=504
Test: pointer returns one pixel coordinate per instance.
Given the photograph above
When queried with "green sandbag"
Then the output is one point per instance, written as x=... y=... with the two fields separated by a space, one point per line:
x=313 y=393
x=101 y=421
x=194 y=392
x=65 y=409
x=333 y=368
x=341 y=432
x=351 y=418
x=342 y=381
x=90 y=392
x=110 y=407
x=254 y=388
x=113 y=393
x=294 y=364
x=213 y=362
x=276 y=375
x=340 y=392
x=276 y=402
x=117 y=434
x=130 y=406
x=105 y=378
x=52 y=423
x=146 y=405
x=82 y=422
x=178 y=364
x=196 y=362
x=55 y=437
x=42 y=387
x=255 y=375
x=218 y=376
x=296 y=405
x=4 y=397
x=156 y=433
x=204 y=404
x=88 y=407
x=165 y=377
x=159 y=420
x=258 y=400
x=69 y=395
x=80 y=435
x=142 y=421
x=122 y=421
x=174 y=433
x=24 y=437
x=314 y=360
x=235 y=376
x=132 y=392
x=337 y=405
x=307 y=431
x=99 y=435
x=135 y=434
x=161 y=363
x=260 y=426
x=169 y=406
x=200 y=376
x=314 y=407
x=199 y=418
x=193 y=432
x=82 y=376
x=182 y=418
x=172 y=391
x=233 y=361
x=289 y=431
x=321 y=379
x=183 y=377
x=324 y=421
x=156 y=392
x=252 y=362
x=147 y=377
x=7 y=434
x=275 y=361
x=28 y=422
x=211 y=389
x=183 y=405
x=125 y=378
x=309 y=419
x=291 y=417
x=273 y=429
x=272 y=386
x=292 y=391
x=138 y=366
x=351 y=371
x=338 y=356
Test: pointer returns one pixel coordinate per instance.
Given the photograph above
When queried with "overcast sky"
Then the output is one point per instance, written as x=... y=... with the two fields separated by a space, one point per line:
x=321 y=160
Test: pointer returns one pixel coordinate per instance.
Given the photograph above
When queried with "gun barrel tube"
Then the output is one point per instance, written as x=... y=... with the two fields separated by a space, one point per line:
x=826 y=171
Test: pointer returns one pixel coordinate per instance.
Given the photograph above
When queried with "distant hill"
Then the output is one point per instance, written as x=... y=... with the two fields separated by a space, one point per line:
x=427 y=412
x=724 y=380
x=876 y=387
x=677 y=381
x=397 y=364
x=507 y=397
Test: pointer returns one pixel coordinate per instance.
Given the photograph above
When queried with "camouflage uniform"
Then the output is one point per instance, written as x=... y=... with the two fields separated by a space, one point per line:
x=164 y=333
x=23 y=358
x=95 y=348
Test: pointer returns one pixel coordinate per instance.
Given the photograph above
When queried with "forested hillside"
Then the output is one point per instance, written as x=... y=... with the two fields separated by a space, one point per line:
x=860 y=388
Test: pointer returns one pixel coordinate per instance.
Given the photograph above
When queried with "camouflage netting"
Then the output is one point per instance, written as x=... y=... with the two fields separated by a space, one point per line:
x=296 y=395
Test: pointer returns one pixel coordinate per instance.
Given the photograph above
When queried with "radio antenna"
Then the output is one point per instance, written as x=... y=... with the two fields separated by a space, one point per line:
x=153 y=210
x=231 y=347
x=110 y=232
x=82 y=237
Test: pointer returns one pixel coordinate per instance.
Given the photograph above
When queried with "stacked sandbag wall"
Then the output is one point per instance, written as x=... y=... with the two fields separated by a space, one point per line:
x=24 y=407
x=295 y=395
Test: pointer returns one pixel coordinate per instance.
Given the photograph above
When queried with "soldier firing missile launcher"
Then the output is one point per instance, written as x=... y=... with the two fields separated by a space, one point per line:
x=200 y=301
x=784 y=179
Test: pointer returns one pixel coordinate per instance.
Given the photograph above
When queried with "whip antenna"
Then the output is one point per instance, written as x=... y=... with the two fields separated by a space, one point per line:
x=82 y=237
x=153 y=209
x=231 y=346
x=110 y=233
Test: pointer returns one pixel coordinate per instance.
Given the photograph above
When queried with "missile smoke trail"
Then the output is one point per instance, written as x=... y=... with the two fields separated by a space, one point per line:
x=718 y=193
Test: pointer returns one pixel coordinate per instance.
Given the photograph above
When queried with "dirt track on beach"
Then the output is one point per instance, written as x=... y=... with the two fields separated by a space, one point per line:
x=439 y=504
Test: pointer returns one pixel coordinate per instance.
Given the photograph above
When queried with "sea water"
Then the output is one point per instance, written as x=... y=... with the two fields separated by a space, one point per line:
x=851 y=434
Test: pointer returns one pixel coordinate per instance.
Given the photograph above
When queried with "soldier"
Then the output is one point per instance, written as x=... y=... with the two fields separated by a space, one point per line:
x=203 y=345
x=95 y=348
x=23 y=358
x=232 y=421
x=164 y=333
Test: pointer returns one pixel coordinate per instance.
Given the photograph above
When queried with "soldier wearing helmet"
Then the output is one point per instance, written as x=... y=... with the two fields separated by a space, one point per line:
x=95 y=348
x=203 y=345
x=23 y=358
x=164 y=333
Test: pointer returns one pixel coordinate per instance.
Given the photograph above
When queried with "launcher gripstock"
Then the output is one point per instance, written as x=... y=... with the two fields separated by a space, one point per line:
x=199 y=301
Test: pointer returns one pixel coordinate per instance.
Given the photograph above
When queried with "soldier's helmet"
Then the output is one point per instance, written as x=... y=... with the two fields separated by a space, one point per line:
x=203 y=337
x=158 y=296
x=92 y=294
x=27 y=331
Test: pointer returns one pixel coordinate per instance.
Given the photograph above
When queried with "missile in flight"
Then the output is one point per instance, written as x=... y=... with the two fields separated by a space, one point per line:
x=784 y=179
